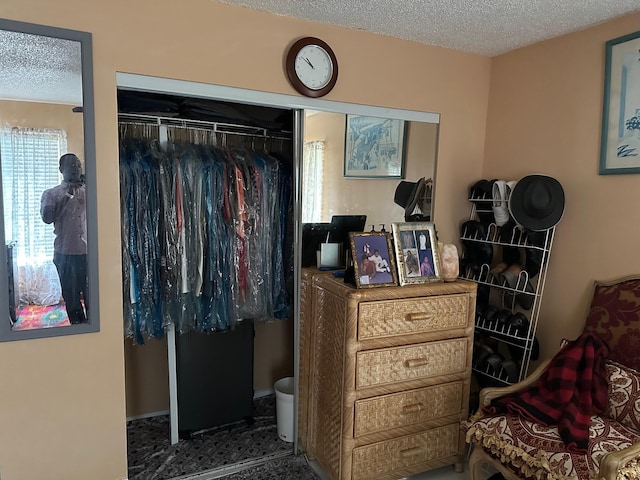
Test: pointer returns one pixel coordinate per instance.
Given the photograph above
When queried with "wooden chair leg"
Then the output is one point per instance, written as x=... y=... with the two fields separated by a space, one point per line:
x=476 y=460
x=479 y=458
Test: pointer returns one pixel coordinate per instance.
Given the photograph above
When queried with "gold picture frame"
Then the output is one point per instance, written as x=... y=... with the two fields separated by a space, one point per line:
x=416 y=249
x=373 y=259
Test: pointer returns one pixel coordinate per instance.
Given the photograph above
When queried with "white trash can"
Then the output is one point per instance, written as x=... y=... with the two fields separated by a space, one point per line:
x=284 y=389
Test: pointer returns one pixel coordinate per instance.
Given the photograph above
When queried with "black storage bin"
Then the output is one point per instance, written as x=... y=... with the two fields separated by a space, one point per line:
x=214 y=378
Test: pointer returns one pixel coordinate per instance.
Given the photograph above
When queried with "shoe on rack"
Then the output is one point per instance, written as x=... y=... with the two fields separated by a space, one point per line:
x=534 y=256
x=499 y=205
x=518 y=279
x=509 y=235
x=510 y=368
x=519 y=324
x=475 y=251
x=496 y=272
x=480 y=194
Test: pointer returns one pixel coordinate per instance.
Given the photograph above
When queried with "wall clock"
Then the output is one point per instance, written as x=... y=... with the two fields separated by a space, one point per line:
x=312 y=67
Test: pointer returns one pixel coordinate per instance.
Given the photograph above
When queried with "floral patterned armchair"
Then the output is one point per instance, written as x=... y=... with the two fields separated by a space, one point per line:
x=519 y=448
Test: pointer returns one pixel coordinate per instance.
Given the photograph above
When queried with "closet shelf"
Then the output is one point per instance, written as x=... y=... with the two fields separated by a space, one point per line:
x=214 y=127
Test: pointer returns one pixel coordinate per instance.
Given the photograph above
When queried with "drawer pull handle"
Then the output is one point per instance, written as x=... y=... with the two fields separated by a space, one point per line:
x=419 y=316
x=413 y=408
x=416 y=362
x=410 y=452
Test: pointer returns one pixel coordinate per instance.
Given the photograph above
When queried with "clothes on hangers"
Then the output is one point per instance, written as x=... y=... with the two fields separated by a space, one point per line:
x=203 y=236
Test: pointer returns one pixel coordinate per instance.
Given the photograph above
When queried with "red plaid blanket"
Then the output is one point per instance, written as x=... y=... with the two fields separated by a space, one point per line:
x=573 y=388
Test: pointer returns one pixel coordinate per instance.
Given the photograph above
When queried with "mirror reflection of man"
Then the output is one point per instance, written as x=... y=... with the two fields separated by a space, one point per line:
x=64 y=206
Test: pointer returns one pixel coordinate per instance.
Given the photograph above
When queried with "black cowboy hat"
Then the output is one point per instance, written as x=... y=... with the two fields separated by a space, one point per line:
x=408 y=194
x=537 y=202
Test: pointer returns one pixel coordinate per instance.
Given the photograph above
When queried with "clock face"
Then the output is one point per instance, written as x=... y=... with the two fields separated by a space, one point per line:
x=314 y=67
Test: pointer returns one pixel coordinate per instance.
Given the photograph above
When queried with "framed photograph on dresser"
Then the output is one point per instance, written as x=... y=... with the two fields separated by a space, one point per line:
x=373 y=259
x=416 y=251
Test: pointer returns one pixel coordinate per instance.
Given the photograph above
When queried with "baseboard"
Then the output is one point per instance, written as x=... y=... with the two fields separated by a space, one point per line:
x=148 y=415
x=263 y=393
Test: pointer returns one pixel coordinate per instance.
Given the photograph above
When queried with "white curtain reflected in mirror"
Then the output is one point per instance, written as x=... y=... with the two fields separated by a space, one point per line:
x=26 y=172
x=42 y=119
x=312 y=166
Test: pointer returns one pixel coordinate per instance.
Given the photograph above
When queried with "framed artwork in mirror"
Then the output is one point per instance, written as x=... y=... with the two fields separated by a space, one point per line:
x=620 y=140
x=416 y=250
x=373 y=260
x=374 y=147
x=48 y=261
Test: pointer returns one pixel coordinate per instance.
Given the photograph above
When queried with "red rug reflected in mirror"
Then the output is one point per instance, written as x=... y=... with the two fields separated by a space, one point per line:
x=38 y=316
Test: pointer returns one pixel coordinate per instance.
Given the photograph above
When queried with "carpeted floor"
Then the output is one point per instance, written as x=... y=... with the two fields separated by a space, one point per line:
x=288 y=468
x=152 y=457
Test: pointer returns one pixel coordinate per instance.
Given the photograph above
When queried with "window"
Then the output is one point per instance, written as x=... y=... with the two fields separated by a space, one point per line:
x=312 y=164
x=30 y=165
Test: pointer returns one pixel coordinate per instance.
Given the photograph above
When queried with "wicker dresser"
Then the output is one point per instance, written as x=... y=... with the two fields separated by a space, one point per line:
x=384 y=376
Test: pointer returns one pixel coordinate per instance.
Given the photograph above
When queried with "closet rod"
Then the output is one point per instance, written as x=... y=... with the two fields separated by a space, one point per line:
x=215 y=127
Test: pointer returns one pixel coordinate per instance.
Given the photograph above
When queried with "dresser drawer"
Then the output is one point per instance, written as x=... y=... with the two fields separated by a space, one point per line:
x=382 y=413
x=375 y=460
x=401 y=317
x=412 y=362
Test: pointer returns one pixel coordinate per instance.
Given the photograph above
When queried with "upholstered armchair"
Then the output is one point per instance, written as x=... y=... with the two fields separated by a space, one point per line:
x=520 y=448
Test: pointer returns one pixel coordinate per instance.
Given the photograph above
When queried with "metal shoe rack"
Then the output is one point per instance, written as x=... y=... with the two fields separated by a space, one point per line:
x=509 y=339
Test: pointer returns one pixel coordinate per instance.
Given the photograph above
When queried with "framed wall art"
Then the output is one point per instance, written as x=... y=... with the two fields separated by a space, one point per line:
x=416 y=251
x=373 y=259
x=620 y=142
x=374 y=147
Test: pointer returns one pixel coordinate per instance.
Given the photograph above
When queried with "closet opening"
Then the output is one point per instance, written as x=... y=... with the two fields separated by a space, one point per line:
x=420 y=163
x=207 y=206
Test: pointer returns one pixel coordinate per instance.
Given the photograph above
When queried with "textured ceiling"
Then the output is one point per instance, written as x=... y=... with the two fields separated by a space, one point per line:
x=44 y=69
x=486 y=27
x=40 y=69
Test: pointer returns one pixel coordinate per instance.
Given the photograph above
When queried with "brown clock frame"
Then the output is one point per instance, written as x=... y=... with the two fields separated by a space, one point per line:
x=290 y=67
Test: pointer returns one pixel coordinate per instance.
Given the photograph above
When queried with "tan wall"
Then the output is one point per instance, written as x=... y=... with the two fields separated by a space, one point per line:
x=373 y=197
x=147 y=377
x=45 y=115
x=273 y=353
x=64 y=397
x=545 y=113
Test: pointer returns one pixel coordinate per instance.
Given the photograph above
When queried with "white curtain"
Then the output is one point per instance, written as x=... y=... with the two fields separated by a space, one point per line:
x=29 y=158
x=312 y=165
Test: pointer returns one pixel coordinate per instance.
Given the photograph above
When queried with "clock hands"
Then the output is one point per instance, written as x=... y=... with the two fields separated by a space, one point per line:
x=312 y=67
